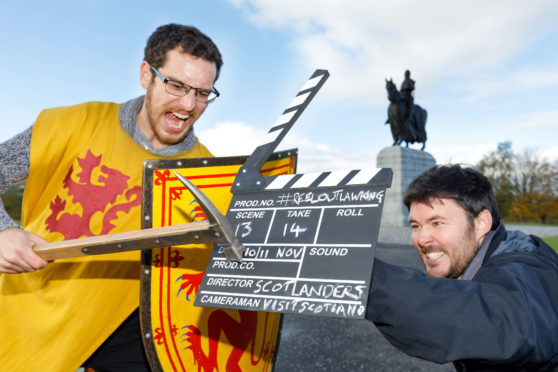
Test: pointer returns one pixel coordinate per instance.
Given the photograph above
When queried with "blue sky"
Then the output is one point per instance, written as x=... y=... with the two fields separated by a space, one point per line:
x=486 y=72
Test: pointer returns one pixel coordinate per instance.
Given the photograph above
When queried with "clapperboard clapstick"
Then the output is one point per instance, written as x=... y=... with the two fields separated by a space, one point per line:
x=249 y=176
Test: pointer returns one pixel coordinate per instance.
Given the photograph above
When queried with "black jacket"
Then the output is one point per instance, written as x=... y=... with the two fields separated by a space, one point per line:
x=505 y=318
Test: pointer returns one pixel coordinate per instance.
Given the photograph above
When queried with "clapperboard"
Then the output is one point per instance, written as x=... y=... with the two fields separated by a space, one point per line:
x=309 y=238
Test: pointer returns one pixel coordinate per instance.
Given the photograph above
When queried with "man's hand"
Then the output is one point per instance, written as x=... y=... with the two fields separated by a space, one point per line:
x=16 y=251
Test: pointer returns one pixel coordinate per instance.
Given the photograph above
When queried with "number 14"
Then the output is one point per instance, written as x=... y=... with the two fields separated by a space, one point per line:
x=295 y=229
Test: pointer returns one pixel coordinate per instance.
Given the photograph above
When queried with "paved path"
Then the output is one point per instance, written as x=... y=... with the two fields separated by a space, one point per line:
x=402 y=235
x=542 y=231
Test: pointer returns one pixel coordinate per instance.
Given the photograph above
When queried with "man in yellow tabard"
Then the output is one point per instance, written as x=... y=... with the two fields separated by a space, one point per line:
x=83 y=167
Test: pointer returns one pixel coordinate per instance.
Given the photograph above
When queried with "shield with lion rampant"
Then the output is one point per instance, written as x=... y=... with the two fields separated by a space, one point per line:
x=177 y=335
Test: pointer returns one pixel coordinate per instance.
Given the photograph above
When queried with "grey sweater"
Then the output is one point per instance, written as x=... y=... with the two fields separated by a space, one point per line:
x=15 y=159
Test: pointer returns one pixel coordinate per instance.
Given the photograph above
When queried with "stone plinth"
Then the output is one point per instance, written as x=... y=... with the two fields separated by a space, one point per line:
x=406 y=165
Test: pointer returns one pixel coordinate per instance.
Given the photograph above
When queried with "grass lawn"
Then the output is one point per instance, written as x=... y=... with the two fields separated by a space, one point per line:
x=552 y=241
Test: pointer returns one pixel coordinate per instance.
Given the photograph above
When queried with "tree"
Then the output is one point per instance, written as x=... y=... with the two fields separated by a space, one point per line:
x=12 y=200
x=498 y=166
x=535 y=188
x=525 y=186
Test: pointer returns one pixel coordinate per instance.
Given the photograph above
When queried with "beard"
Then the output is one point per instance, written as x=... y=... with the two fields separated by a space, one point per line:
x=462 y=261
x=156 y=115
x=457 y=255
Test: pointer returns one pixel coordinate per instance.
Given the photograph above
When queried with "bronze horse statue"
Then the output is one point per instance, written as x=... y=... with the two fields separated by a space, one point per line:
x=406 y=126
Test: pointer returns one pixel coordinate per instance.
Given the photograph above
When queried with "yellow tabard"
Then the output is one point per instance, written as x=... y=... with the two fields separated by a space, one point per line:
x=84 y=180
x=183 y=337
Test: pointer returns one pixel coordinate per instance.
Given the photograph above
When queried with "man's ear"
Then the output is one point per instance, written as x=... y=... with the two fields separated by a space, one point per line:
x=145 y=75
x=483 y=224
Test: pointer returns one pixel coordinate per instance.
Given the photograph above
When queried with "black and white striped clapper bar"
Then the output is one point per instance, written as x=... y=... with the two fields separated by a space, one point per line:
x=309 y=238
x=249 y=176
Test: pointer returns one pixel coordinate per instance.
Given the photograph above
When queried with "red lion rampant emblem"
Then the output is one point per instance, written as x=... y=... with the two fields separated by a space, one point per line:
x=93 y=198
x=240 y=334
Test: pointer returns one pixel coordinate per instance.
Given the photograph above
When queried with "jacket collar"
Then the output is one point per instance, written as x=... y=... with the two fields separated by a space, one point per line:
x=500 y=234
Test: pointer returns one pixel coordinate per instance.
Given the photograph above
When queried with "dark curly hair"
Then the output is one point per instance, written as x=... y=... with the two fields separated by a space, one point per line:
x=192 y=41
x=467 y=186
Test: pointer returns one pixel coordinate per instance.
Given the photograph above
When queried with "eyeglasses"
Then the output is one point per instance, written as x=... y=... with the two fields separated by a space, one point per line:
x=176 y=88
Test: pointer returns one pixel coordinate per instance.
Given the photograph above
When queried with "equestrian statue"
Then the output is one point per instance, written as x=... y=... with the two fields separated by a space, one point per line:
x=406 y=119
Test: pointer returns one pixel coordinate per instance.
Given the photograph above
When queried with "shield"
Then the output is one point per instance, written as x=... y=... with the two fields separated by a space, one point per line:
x=177 y=335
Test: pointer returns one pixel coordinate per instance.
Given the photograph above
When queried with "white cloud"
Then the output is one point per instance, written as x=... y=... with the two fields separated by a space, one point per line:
x=461 y=154
x=238 y=138
x=482 y=87
x=537 y=120
x=362 y=42
x=471 y=155
x=550 y=154
x=231 y=138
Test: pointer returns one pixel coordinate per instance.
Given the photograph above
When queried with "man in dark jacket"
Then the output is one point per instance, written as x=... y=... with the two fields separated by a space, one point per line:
x=490 y=297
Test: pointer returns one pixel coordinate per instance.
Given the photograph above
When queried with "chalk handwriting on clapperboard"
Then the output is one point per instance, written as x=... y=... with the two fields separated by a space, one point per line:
x=309 y=238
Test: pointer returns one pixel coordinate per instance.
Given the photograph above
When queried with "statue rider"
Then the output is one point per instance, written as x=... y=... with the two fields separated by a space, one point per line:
x=406 y=93
x=407 y=120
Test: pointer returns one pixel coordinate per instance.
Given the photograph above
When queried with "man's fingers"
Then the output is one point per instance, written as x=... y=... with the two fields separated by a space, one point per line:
x=16 y=251
x=33 y=260
x=22 y=259
x=36 y=239
x=9 y=270
x=7 y=266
